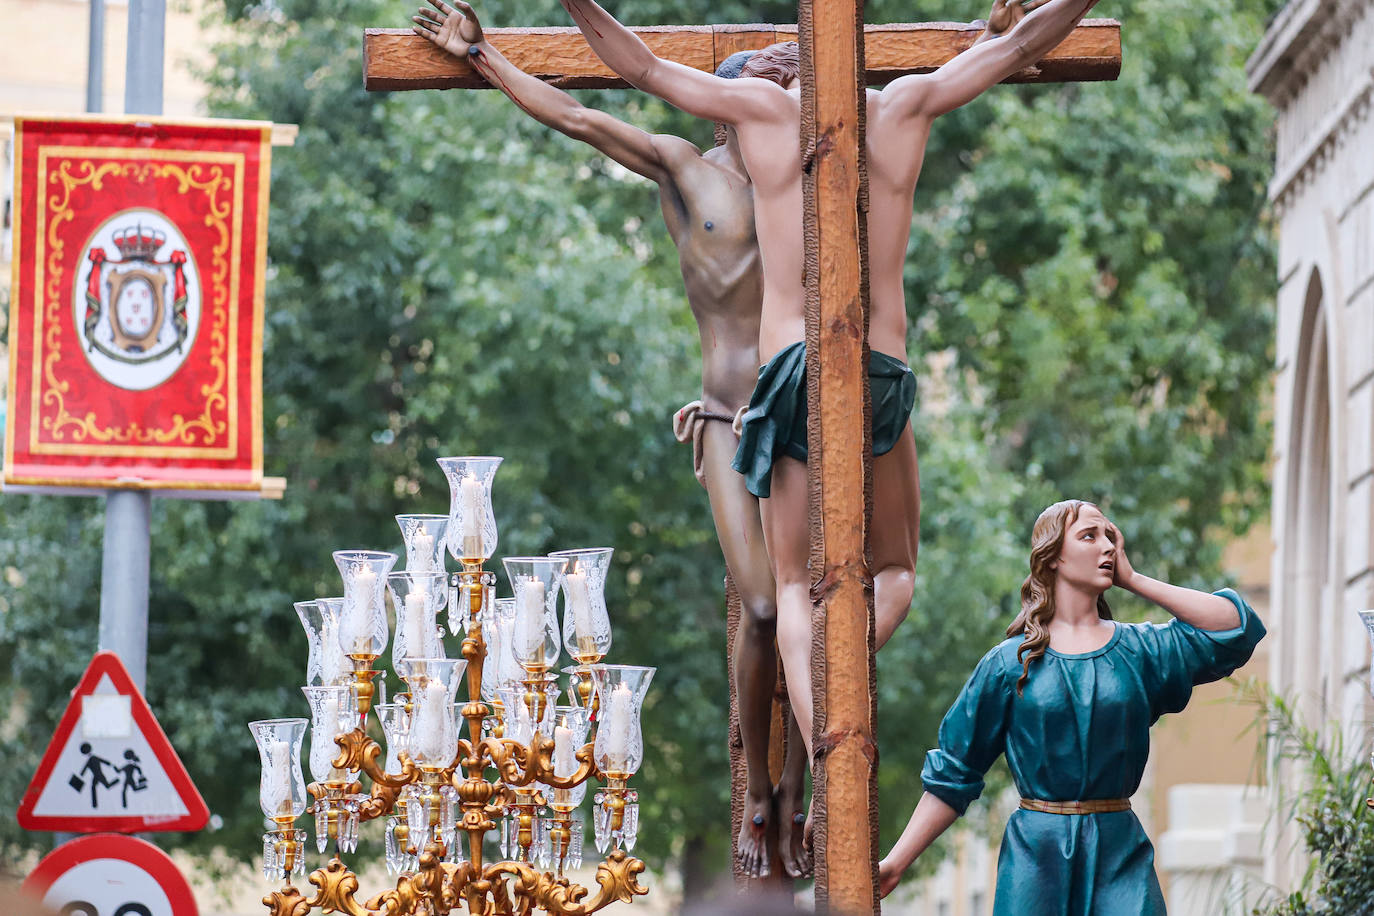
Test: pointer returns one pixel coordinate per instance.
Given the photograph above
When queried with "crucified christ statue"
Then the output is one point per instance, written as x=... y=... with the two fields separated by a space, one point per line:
x=708 y=209
x=766 y=116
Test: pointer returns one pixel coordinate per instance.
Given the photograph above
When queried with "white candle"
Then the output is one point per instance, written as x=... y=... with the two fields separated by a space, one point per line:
x=530 y=610
x=564 y=754
x=357 y=632
x=415 y=626
x=470 y=518
x=618 y=728
x=427 y=735
x=277 y=792
x=331 y=658
x=580 y=603
x=423 y=553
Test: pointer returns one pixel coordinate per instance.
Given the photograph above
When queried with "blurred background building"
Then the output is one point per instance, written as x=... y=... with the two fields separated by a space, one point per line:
x=1316 y=67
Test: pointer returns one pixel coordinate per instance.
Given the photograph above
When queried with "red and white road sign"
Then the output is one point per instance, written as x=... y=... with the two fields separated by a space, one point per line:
x=110 y=766
x=110 y=875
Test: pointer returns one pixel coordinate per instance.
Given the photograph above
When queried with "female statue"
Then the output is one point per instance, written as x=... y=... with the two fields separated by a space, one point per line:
x=1070 y=697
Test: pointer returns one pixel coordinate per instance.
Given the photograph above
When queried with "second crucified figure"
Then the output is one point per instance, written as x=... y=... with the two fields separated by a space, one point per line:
x=708 y=207
x=767 y=117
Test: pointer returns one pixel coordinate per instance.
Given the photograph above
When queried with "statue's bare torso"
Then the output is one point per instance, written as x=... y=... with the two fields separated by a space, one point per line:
x=708 y=208
x=774 y=160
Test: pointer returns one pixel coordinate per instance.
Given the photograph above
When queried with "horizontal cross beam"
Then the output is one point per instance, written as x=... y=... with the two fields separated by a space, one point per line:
x=396 y=59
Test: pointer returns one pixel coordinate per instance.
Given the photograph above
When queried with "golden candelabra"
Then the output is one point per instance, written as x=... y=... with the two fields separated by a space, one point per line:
x=452 y=796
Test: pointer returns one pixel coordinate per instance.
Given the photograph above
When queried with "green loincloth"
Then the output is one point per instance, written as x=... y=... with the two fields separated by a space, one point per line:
x=775 y=423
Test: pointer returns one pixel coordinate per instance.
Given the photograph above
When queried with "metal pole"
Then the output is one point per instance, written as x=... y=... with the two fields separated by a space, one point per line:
x=124 y=581
x=143 y=64
x=95 y=58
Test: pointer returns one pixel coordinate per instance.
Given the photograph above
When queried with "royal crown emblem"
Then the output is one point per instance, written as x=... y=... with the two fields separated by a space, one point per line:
x=139 y=300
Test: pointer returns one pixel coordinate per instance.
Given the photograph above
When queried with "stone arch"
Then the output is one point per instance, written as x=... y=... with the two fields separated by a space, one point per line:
x=1311 y=574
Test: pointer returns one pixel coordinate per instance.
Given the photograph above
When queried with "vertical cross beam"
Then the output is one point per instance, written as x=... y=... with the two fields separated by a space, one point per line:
x=840 y=466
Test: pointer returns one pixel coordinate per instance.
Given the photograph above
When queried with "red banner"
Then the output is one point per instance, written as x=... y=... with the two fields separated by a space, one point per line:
x=135 y=333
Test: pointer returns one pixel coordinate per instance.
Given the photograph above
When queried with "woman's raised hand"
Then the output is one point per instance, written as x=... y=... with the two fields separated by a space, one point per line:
x=1122 y=571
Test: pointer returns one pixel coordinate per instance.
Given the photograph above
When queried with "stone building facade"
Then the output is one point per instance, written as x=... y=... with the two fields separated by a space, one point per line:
x=1316 y=67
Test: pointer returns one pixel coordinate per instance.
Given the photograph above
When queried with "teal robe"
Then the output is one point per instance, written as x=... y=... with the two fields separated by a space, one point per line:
x=1082 y=731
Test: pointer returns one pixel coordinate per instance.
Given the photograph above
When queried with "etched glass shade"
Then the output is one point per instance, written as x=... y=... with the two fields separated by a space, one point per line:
x=281 y=793
x=472 y=525
x=619 y=743
x=433 y=728
x=570 y=727
x=312 y=619
x=534 y=581
x=502 y=668
x=333 y=712
x=586 y=624
x=335 y=668
x=396 y=729
x=426 y=537
x=417 y=597
x=363 y=629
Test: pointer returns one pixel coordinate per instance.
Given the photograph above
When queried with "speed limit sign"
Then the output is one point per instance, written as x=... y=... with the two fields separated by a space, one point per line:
x=109 y=874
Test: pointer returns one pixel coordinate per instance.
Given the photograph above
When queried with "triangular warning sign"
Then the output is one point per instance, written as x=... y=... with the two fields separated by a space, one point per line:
x=110 y=767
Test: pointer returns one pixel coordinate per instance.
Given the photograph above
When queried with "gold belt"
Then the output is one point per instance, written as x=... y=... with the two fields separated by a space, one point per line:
x=1092 y=806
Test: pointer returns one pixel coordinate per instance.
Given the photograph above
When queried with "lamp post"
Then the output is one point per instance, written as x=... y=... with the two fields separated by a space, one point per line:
x=523 y=755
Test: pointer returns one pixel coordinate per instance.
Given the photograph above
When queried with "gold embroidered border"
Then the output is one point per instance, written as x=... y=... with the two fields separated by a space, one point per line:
x=204 y=173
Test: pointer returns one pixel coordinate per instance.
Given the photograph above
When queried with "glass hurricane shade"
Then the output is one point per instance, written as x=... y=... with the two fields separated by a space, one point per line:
x=586 y=623
x=333 y=712
x=433 y=682
x=425 y=537
x=281 y=792
x=472 y=525
x=363 y=628
x=417 y=597
x=502 y=668
x=621 y=690
x=396 y=729
x=570 y=727
x=534 y=582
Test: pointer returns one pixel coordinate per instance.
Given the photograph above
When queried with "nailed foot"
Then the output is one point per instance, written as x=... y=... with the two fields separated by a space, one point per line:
x=794 y=832
x=752 y=853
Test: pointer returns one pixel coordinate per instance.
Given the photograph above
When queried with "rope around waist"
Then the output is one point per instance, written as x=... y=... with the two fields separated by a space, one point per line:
x=1091 y=806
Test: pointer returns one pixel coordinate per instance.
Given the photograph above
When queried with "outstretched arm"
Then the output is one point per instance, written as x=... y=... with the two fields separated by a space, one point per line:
x=704 y=95
x=931 y=818
x=1201 y=610
x=987 y=63
x=458 y=32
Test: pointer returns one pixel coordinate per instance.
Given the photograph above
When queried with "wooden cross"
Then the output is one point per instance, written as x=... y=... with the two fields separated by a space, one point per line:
x=840 y=55
x=399 y=59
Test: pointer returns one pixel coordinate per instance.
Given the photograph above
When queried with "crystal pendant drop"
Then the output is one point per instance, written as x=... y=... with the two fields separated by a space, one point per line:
x=448 y=819
x=394 y=853
x=629 y=830
x=348 y=825
x=321 y=811
x=575 y=844
x=506 y=824
x=299 y=868
x=417 y=819
x=541 y=852
x=271 y=870
x=602 y=822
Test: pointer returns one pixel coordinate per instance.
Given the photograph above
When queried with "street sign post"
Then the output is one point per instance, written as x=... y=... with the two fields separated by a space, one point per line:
x=110 y=766
x=109 y=874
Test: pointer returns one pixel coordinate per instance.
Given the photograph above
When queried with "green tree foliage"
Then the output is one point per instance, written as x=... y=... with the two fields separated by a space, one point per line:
x=1089 y=282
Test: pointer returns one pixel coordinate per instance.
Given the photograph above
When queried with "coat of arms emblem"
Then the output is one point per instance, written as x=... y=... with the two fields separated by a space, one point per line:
x=139 y=305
